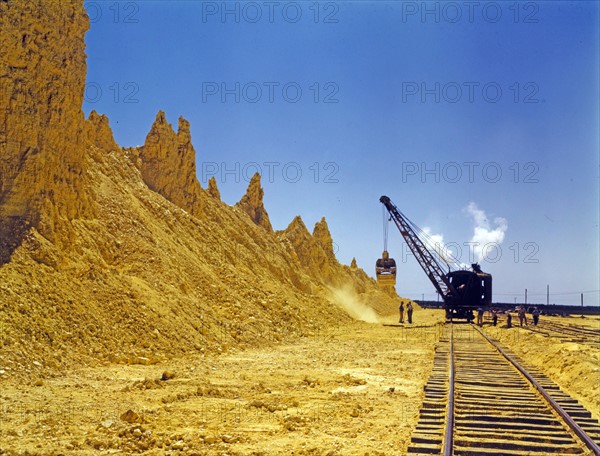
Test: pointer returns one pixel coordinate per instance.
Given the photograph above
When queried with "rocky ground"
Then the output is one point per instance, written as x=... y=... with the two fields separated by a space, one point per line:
x=352 y=389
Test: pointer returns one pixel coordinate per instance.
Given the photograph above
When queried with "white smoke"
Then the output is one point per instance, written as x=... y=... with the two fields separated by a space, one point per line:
x=436 y=243
x=485 y=240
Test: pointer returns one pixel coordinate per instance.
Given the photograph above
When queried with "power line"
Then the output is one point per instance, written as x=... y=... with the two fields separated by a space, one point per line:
x=557 y=293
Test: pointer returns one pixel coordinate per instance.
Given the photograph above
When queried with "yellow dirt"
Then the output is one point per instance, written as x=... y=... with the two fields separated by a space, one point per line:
x=351 y=389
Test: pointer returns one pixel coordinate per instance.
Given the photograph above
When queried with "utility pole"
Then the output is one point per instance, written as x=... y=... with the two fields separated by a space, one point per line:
x=525 y=296
x=547 y=295
x=581 y=299
x=422 y=296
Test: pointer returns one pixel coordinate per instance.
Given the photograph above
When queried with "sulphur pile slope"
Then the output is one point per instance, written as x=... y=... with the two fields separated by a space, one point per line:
x=118 y=254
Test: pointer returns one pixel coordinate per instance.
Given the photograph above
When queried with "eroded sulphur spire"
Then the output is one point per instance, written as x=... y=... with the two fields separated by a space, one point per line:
x=252 y=203
x=168 y=164
x=322 y=237
x=213 y=190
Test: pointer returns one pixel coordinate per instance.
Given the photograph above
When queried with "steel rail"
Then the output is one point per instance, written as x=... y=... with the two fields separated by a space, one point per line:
x=564 y=415
x=449 y=432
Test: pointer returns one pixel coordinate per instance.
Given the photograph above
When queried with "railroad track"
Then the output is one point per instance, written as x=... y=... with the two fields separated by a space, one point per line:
x=482 y=400
x=571 y=333
x=565 y=333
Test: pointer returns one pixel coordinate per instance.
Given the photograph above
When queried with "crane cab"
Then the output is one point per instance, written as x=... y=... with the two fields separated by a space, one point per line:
x=474 y=290
x=385 y=270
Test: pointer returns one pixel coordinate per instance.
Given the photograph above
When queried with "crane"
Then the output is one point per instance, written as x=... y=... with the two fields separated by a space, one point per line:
x=462 y=290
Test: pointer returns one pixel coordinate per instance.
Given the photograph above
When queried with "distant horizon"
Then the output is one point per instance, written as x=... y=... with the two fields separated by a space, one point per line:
x=536 y=304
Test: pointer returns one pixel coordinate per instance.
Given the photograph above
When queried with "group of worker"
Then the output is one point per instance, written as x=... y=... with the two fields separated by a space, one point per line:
x=409 y=311
x=521 y=313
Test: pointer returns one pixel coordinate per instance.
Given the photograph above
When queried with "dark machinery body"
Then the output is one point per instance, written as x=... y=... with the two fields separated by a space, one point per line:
x=463 y=291
x=473 y=290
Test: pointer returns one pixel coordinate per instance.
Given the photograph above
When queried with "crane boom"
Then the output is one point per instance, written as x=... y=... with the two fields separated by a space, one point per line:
x=424 y=257
x=462 y=291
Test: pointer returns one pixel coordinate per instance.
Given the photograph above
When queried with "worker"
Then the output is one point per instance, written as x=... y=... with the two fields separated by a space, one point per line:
x=480 y=312
x=536 y=315
x=401 y=310
x=508 y=319
x=494 y=317
x=522 y=315
x=409 y=310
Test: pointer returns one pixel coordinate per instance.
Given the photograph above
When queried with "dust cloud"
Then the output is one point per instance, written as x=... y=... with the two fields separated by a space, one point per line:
x=346 y=298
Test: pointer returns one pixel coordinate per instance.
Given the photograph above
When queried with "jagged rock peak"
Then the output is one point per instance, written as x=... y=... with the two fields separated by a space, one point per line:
x=99 y=132
x=309 y=250
x=183 y=130
x=297 y=226
x=322 y=236
x=252 y=203
x=161 y=118
x=161 y=134
x=167 y=162
x=43 y=178
x=97 y=119
x=353 y=264
x=213 y=190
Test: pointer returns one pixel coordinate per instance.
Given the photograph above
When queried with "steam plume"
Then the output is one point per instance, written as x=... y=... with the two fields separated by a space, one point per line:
x=485 y=239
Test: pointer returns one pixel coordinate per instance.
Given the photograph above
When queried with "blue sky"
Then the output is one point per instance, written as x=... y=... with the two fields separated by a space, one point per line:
x=437 y=105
